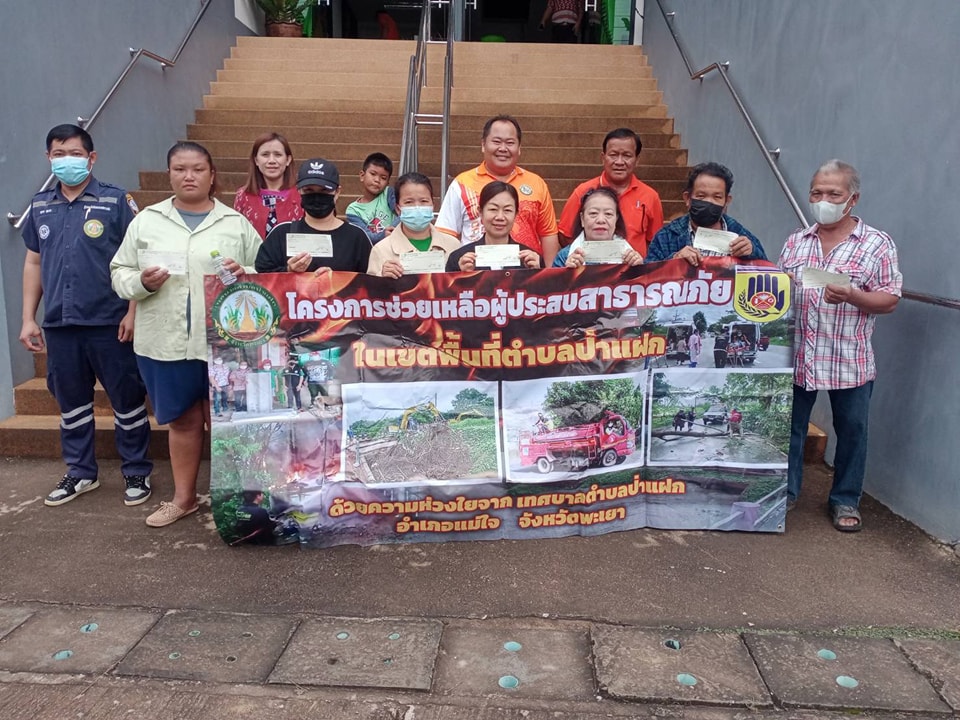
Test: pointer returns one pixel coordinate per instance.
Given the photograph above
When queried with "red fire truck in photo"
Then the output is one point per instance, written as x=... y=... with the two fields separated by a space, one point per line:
x=605 y=442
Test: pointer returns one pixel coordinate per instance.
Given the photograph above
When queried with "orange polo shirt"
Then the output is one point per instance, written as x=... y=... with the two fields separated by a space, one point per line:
x=460 y=210
x=639 y=205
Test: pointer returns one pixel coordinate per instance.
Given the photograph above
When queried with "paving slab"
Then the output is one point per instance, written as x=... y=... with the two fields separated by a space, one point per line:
x=671 y=666
x=352 y=652
x=115 y=704
x=239 y=708
x=499 y=661
x=940 y=661
x=12 y=617
x=74 y=640
x=841 y=673
x=210 y=647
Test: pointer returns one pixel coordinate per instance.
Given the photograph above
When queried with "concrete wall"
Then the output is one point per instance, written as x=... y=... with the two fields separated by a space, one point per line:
x=873 y=83
x=60 y=59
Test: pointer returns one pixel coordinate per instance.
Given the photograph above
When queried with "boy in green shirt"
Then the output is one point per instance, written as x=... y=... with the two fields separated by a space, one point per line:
x=373 y=212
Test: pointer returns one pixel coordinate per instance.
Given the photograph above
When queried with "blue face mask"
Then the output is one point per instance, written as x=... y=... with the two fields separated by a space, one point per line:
x=416 y=217
x=70 y=170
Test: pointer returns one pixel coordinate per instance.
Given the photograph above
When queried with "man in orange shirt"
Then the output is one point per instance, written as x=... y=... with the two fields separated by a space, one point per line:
x=536 y=223
x=639 y=203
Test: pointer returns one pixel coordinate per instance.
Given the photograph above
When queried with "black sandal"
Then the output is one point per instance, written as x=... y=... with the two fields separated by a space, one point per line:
x=846 y=512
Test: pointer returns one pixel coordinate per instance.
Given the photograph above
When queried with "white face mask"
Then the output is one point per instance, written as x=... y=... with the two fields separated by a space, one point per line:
x=828 y=213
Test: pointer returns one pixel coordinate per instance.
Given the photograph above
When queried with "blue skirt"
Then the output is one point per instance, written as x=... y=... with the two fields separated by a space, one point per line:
x=174 y=386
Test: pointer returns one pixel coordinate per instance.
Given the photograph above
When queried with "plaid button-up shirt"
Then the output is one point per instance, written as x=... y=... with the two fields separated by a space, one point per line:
x=832 y=347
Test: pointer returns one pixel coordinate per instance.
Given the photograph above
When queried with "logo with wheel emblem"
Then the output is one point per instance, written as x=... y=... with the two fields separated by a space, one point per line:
x=761 y=295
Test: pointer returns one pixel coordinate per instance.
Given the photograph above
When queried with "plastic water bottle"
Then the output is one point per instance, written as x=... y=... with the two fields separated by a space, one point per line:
x=226 y=277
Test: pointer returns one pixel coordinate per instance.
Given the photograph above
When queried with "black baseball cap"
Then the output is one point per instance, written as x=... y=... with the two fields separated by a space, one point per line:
x=318 y=171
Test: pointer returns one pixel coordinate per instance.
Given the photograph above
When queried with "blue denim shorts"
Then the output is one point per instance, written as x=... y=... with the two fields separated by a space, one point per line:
x=174 y=386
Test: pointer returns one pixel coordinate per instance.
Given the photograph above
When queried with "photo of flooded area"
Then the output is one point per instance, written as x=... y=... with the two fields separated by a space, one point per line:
x=420 y=432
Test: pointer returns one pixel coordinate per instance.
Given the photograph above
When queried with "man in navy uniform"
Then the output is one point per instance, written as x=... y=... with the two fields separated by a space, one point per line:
x=71 y=233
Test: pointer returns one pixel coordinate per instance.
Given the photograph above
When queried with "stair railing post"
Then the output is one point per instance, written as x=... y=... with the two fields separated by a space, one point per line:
x=447 y=93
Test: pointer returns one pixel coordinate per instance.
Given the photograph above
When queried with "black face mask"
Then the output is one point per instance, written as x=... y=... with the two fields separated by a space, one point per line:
x=318 y=205
x=705 y=214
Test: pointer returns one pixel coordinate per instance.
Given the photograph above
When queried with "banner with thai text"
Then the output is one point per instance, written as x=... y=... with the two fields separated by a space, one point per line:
x=500 y=404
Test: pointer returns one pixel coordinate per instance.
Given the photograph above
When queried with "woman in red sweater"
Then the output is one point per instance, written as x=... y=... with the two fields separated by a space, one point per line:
x=269 y=197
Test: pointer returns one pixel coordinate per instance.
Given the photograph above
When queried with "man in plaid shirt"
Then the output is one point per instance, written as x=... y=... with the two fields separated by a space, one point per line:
x=834 y=323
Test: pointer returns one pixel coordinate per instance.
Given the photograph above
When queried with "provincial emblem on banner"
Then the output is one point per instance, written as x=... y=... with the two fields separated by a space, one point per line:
x=761 y=295
x=246 y=315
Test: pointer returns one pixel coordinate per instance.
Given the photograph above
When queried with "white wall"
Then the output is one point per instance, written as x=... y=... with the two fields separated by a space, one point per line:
x=875 y=84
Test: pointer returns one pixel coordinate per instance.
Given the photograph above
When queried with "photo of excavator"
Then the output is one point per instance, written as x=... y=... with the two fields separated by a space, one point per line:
x=438 y=433
x=410 y=421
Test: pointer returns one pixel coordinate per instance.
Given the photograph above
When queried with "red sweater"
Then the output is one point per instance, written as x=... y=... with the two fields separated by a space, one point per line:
x=252 y=208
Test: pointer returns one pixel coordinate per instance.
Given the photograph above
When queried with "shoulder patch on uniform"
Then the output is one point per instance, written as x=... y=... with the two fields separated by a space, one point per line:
x=132 y=204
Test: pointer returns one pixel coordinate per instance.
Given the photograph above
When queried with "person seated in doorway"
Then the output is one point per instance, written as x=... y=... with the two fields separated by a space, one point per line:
x=564 y=17
x=707 y=197
x=388 y=26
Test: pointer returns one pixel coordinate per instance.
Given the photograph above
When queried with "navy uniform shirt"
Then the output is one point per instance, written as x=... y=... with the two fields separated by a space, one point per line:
x=76 y=241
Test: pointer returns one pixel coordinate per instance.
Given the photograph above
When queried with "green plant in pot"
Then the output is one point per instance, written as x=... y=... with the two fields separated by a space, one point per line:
x=284 y=18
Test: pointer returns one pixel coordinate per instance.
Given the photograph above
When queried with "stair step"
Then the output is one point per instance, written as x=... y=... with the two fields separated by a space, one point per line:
x=392 y=136
x=488 y=109
x=33 y=398
x=369 y=49
x=502 y=96
x=532 y=157
x=38 y=436
x=40 y=364
x=560 y=83
x=435 y=67
x=273 y=118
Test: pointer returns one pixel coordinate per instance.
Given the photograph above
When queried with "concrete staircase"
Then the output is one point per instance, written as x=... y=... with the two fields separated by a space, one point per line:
x=566 y=99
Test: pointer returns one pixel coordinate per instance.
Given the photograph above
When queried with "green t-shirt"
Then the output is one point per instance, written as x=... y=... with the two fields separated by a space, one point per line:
x=421 y=245
x=375 y=216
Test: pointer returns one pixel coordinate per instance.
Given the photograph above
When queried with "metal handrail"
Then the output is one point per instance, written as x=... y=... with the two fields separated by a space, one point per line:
x=769 y=155
x=86 y=123
x=416 y=80
x=447 y=93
